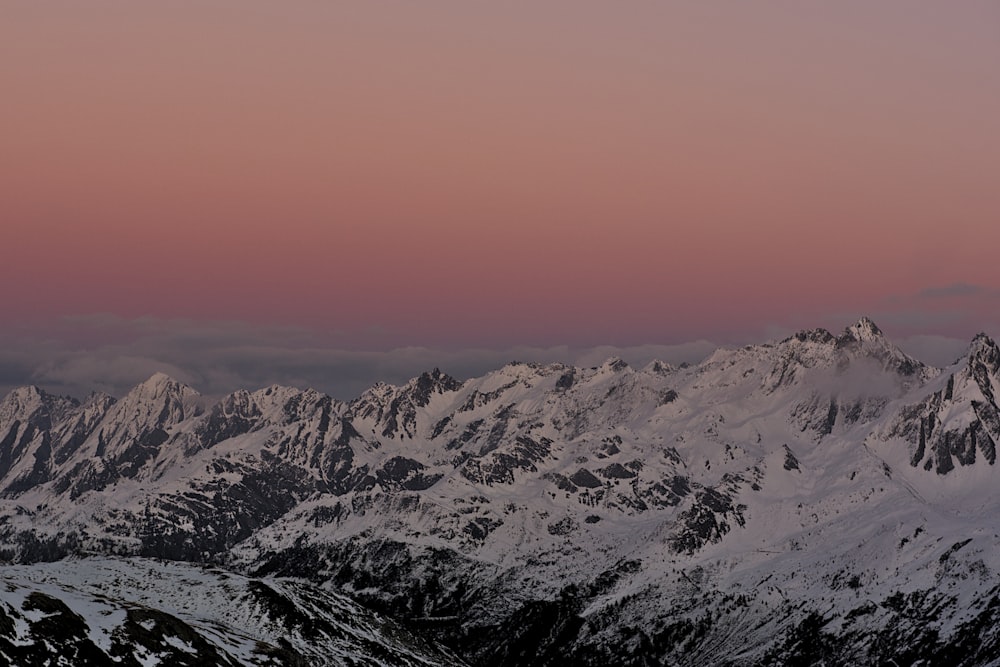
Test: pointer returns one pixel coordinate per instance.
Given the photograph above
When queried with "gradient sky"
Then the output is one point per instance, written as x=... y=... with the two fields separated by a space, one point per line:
x=458 y=175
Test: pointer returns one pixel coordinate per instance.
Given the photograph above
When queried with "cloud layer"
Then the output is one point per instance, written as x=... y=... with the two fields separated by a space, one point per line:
x=78 y=355
x=955 y=290
x=112 y=354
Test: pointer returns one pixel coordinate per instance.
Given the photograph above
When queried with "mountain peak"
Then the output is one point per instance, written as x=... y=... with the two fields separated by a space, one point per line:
x=864 y=330
x=434 y=382
x=436 y=378
x=982 y=339
x=553 y=488
x=821 y=336
x=614 y=364
x=984 y=350
x=161 y=400
x=658 y=367
x=28 y=391
x=160 y=384
x=159 y=379
x=866 y=339
x=21 y=402
x=24 y=401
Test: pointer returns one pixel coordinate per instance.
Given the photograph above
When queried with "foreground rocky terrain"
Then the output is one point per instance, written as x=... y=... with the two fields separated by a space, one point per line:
x=822 y=498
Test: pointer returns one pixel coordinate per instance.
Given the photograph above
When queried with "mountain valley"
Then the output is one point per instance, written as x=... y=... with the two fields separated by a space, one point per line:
x=824 y=498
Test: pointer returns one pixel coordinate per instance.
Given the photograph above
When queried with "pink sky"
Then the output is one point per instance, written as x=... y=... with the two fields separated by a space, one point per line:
x=495 y=174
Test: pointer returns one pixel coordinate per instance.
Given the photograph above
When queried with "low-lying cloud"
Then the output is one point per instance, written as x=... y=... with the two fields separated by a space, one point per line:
x=111 y=354
x=106 y=353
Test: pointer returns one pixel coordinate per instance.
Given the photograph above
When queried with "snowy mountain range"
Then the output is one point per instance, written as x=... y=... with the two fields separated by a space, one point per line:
x=820 y=498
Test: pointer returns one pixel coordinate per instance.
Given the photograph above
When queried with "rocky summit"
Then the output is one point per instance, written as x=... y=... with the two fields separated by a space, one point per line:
x=821 y=499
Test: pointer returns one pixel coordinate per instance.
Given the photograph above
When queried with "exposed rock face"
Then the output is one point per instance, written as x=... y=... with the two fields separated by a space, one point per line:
x=138 y=612
x=807 y=492
x=960 y=421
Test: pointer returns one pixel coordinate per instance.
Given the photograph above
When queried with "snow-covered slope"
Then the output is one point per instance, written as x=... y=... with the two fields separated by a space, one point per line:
x=101 y=611
x=821 y=491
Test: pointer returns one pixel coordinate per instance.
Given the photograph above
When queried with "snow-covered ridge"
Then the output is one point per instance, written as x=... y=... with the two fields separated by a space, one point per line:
x=100 y=611
x=614 y=494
